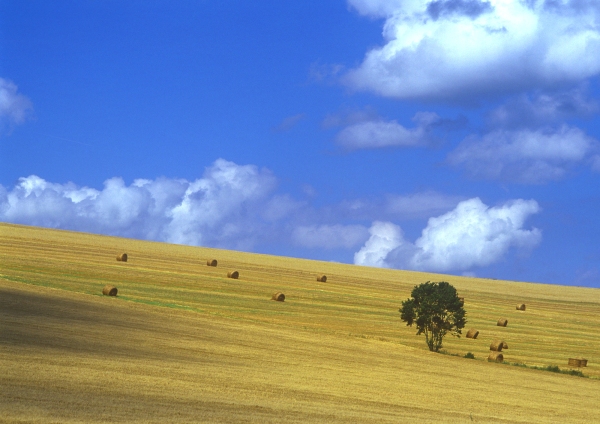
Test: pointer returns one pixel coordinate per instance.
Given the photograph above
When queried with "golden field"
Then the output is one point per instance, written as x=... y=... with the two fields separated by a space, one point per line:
x=183 y=343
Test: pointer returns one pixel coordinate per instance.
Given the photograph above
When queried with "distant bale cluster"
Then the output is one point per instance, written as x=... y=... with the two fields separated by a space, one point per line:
x=322 y=278
x=109 y=290
x=211 y=262
x=233 y=274
x=122 y=257
x=279 y=297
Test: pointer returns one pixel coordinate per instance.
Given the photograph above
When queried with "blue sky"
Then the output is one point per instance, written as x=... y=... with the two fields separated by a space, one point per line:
x=456 y=136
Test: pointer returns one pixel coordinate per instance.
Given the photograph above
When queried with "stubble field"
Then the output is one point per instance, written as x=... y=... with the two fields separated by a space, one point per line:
x=184 y=343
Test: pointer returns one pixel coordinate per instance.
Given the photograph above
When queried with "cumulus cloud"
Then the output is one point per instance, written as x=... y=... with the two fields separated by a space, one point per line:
x=385 y=237
x=224 y=208
x=380 y=133
x=15 y=108
x=330 y=236
x=524 y=156
x=472 y=235
x=227 y=190
x=455 y=49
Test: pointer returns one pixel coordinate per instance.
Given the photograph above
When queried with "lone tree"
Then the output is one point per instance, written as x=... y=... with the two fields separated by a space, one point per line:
x=435 y=309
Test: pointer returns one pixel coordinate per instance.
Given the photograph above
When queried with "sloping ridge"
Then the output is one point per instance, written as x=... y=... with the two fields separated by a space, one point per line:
x=182 y=343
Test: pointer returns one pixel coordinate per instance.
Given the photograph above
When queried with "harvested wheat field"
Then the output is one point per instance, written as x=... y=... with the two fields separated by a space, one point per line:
x=181 y=342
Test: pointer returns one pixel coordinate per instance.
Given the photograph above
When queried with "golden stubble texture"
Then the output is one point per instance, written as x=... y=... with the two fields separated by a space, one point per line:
x=183 y=343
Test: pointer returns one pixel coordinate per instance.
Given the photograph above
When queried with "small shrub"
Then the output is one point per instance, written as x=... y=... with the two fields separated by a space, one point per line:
x=469 y=355
x=551 y=368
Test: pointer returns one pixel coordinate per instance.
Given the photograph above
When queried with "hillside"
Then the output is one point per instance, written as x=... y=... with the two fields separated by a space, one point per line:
x=183 y=343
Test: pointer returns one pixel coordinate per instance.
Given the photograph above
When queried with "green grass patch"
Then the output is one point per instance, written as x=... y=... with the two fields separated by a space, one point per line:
x=550 y=368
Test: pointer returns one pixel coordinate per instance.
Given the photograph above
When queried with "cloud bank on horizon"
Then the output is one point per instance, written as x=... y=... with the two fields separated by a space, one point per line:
x=445 y=49
x=235 y=206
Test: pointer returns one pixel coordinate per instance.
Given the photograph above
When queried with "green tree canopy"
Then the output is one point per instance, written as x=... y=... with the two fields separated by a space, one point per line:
x=435 y=309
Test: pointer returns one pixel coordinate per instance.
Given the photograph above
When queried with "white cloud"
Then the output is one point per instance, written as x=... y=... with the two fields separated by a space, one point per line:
x=214 y=209
x=462 y=48
x=221 y=209
x=385 y=238
x=378 y=133
x=523 y=156
x=15 y=108
x=234 y=207
x=472 y=235
x=330 y=236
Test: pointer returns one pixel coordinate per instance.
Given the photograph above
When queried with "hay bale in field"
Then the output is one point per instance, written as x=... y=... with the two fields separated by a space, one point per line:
x=322 y=278
x=122 y=257
x=496 y=357
x=279 y=297
x=504 y=345
x=521 y=307
x=497 y=345
x=577 y=362
x=502 y=322
x=233 y=274
x=472 y=334
x=109 y=290
x=211 y=262
x=462 y=301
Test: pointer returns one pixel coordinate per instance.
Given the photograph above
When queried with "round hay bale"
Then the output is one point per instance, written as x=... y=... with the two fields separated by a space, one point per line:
x=521 y=307
x=322 y=278
x=109 y=290
x=583 y=362
x=472 y=334
x=496 y=357
x=122 y=257
x=502 y=322
x=497 y=345
x=462 y=301
x=233 y=274
x=211 y=262
x=279 y=297
x=504 y=345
